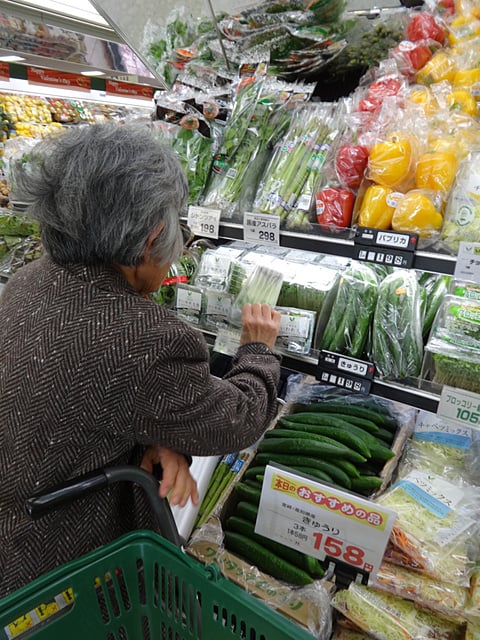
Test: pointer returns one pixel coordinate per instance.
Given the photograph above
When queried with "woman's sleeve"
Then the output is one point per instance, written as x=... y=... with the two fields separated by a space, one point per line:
x=182 y=406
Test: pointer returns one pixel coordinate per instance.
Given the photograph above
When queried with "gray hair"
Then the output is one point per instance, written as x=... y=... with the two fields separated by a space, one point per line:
x=98 y=192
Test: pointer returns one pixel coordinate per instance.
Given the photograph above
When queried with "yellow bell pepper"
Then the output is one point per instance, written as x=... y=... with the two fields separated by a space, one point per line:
x=389 y=162
x=463 y=27
x=462 y=100
x=440 y=67
x=423 y=97
x=416 y=213
x=375 y=210
x=466 y=78
x=436 y=170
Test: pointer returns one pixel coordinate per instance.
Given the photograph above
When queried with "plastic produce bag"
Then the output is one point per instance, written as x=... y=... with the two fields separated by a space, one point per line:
x=386 y=617
x=194 y=152
x=454 y=344
x=348 y=325
x=397 y=344
x=437 y=527
x=296 y=330
x=462 y=212
x=188 y=303
x=442 y=447
x=445 y=598
x=263 y=286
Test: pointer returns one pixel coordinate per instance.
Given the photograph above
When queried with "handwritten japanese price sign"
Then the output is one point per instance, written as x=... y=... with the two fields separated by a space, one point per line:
x=460 y=405
x=261 y=229
x=203 y=221
x=468 y=262
x=322 y=521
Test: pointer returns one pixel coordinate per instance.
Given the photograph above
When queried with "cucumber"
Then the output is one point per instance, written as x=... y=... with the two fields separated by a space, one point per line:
x=328 y=420
x=247 y=528
x=246 y=510
x=315 y=428
x=337 y=475
x=397 y=343
x=347 y=466
x=328 y=406
x=266 y=561
x=380 y=452
x=434 y=300
x=316 y=473
x=247 y=492
x=301 y=446
x=366 y=484
x=252 y=472
x=341 y=436
x=384 y=435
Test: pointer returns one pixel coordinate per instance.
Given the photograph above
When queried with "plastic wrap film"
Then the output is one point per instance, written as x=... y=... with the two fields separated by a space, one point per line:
x=309 y=604
x=454 y=344
x=443 y=447
x=437 y=527
x=386 y=617
x=262 y=286
x=445 y=598
x=351 y=314
x=397 y=343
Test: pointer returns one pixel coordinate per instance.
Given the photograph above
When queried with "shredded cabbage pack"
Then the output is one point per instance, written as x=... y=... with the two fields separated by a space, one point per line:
x=437 y=526
x=387 y=617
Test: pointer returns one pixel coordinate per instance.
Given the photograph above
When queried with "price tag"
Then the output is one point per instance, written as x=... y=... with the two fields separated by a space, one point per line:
x=468 y=262
x=347 y=373
x=460 y=405
x=261 y=229
x=203 y=221
x=323 y=522
x=391 y=248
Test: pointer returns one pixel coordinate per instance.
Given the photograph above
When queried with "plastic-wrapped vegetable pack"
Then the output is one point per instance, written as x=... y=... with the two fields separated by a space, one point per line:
x=347 y=328
x=290 y=179
x=454 y=344
x=442 y=447
x=386 y=617
x=445 y=598
x=263 y=285
x=437 y=527
x=397 y=344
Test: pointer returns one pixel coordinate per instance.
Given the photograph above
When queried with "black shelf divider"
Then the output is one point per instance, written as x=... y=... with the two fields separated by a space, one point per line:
x=316 y=240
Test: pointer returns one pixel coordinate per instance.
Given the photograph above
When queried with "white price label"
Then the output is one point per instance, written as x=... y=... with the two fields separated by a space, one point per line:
x=468 y=262
x=393 y=240
x=203 y=221
x=321 y=521
x=353 y=366
x=460 y=405
x=261 y=229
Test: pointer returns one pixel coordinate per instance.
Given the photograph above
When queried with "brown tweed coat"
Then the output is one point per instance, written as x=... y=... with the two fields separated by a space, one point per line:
x=90 y=372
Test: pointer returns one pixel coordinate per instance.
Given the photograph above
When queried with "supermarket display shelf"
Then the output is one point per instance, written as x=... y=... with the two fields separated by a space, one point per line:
x=421 y=394
x=316 y=240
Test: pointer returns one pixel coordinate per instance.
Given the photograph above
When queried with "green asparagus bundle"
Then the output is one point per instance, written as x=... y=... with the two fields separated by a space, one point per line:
x=297 y=156
x=263 y=285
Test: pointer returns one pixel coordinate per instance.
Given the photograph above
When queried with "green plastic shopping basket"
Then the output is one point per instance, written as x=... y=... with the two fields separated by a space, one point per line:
x=139 y=587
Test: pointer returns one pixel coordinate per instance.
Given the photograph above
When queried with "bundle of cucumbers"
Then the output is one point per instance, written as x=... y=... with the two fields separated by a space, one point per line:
x=348 y=326
x=342 y=444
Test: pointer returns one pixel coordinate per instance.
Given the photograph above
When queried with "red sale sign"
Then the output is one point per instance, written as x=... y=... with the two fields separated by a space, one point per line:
x=321 y=521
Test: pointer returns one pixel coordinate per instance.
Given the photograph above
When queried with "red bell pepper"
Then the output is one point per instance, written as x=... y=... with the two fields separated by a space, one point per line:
x=350 y=164
x=335 y=206
x=423 y=26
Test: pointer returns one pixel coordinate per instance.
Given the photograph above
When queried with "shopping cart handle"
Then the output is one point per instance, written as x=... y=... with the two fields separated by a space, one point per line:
x=65 y=493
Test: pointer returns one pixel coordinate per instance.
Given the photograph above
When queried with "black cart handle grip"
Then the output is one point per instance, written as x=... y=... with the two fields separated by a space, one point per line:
x=65 y=493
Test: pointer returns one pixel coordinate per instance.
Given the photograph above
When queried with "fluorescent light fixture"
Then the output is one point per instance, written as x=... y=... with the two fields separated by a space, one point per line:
x=11 y=58
x=92 y=73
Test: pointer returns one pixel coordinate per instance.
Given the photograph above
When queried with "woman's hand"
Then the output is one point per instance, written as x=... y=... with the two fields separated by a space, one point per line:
x=260 y=323
x=176 y=475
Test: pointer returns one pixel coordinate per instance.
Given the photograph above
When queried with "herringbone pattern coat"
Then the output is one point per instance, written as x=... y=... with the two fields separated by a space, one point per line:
x=91 y=372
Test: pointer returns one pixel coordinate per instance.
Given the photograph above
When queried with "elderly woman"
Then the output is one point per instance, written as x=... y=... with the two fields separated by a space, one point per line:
x=93 y=373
